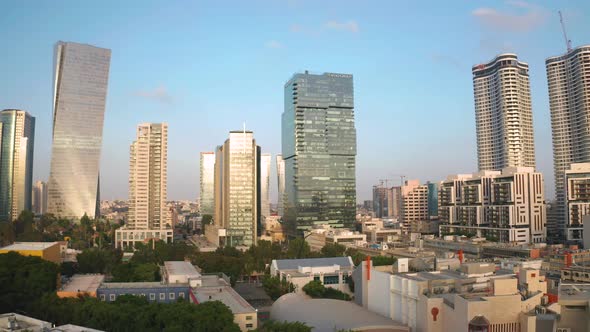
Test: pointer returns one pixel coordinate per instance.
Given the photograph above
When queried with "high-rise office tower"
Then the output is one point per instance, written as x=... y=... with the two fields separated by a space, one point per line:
x=414 y=206
x=207 y=172
x=148 y=169
x=432 y=199
x=39 y=199
x=503 y=114
x=281 y=185
x=79 y=98
x=237 y=187
x=319 y=150
x=265 y=184
x=386 y=202
x=568 y=77
x=17 y=138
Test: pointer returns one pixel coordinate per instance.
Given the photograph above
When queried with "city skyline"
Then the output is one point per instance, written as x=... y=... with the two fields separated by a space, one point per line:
x=161 y=96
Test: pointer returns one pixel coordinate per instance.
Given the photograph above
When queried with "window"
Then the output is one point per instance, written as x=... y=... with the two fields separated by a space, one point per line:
x=248 y=317
x=331 y=280
x=162 y=296
x=152 y=296
x=181 y=295
x=102 y=297
x=112 y=297
x=142 y=294
x=316 y=278
x=249 y=326
x=171 y=296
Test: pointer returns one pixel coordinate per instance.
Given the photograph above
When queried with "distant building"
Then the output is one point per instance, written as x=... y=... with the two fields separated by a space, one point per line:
x=17 y=138
x=39 y=199
x=506 y=206
x=319 y=151
x=79 y=100
x=49 y=251
x=574 y=300
x=332 y=271
x=387 y=202
x=319 y=236
x=281 y=185
x=567 y=79
x=432 y=199
x=207 y=178
x=265 y=159
x=237 y=182
x=148 y=213
x=577 y=200
x=503 y=114
x=414 y=206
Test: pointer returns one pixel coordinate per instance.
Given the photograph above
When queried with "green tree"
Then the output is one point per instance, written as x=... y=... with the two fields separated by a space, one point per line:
x=316 y=289
x=206 y=219
x=96 y=260
x=274 y=326
x=333 y=250
x=7 y=234
x=298 y=248
x=275 y=287
x=136 y=272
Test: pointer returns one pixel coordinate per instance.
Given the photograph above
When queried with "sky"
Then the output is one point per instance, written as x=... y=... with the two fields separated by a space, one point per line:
x=206 y=67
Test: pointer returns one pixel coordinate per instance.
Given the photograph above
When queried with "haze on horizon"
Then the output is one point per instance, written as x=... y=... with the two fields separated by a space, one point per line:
x=207 y=67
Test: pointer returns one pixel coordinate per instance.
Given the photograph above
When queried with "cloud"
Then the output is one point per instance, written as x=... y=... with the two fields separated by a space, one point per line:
x=350 y=26
x=273 y=44
x=159 y=94
x=521 y=17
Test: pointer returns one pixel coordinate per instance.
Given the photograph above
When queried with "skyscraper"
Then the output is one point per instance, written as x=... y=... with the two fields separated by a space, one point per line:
x=568 y=76
x=17 y=129
x=503 y=114
x=265 y=184
x=39 y=198
x=387 y=201
x=319 y=150
x=281 y=184
x=236 y=190
x=207 y=171
x=148 y=170
x=414 y=206
x=80 y=90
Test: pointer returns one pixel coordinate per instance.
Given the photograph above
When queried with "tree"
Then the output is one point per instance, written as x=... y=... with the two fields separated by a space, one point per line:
x=96 y=260
x=316 y=289
x=136 y=272
x=7 y=234
x=333 y=250
x=275 y=287
x=274 y=326
x=206 y=219
x=298 y=248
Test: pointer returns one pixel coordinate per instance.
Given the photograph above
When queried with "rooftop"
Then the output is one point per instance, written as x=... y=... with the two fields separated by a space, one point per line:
x=29 y=246
x=73 y=328
x=226 y=295
x=21 y=322
x=155 y=284
x=294 y=264
x=83 y=283
x=181 y=268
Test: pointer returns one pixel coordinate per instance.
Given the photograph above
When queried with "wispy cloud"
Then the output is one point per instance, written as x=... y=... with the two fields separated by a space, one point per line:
x=159 y=94
x=350 y=26
x=520 y=17
x=273 y=44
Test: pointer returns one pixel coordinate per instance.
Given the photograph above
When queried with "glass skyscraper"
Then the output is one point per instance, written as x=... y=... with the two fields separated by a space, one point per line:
x=319 y=150
x=80 y=90
x=17 y=137
x=207 y=174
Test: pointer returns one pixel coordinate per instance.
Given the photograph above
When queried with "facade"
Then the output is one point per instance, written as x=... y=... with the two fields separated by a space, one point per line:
x=265 y=159
x=79 y=99
x=506 y=206
x=414 y=205
x=207 y=172
x=567 y=78
x=49 y=251
x=449 y=300
x=237 y=190
x=577 y=198
x=148 y=162
x=319 y=151
x=331 y=271
x=17 y=139
x=432 y=199
x=39 y=199
x=317 y=238
x=503 y=114
x=152 y=291
x=281 y=185
x=574 y=300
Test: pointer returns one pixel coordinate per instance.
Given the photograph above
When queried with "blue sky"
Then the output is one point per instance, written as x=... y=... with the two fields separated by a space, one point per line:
x=205 y=67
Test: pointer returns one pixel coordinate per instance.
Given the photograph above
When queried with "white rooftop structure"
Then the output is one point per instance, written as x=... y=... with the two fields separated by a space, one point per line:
x=83 y=283
x=29 y=246
x=11 y=322
x=217 y=289
x=73 y=328
x=181 y=272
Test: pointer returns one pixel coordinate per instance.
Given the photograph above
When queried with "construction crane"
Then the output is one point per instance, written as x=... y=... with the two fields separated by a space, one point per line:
x=401 y=177
x=568 y=43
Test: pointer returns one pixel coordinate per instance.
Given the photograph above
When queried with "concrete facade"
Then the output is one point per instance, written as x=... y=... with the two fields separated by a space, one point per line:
x=577 y=201
x=49 y=251
x=332 y=272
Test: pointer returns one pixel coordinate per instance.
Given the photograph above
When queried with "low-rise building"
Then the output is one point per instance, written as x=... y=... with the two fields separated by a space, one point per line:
x=49 y=251
x=574 y=300
x=331 y=271
x=81 y=285
x=318 y=237
x=218 y=288
x=181 y=272
x=12 y=322
x=152 y=291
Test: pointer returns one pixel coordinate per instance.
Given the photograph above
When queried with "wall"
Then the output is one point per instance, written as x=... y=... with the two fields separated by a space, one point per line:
x=378 y=288
x=246 y=321
x=145 y=292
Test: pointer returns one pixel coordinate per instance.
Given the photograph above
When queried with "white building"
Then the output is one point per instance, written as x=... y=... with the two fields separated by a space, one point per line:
x=148 y=214
x=577 y=195
x=506 y=206
x=332 y=271
x=265 y=159
x=503 y=114
x=319 y=236
x=181 y=272
x=567 y=78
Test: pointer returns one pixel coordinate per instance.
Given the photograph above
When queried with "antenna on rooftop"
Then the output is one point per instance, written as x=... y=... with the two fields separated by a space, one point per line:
x=568 y=43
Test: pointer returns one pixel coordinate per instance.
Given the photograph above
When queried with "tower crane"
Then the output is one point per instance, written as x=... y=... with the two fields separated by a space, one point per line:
x=568 y=43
